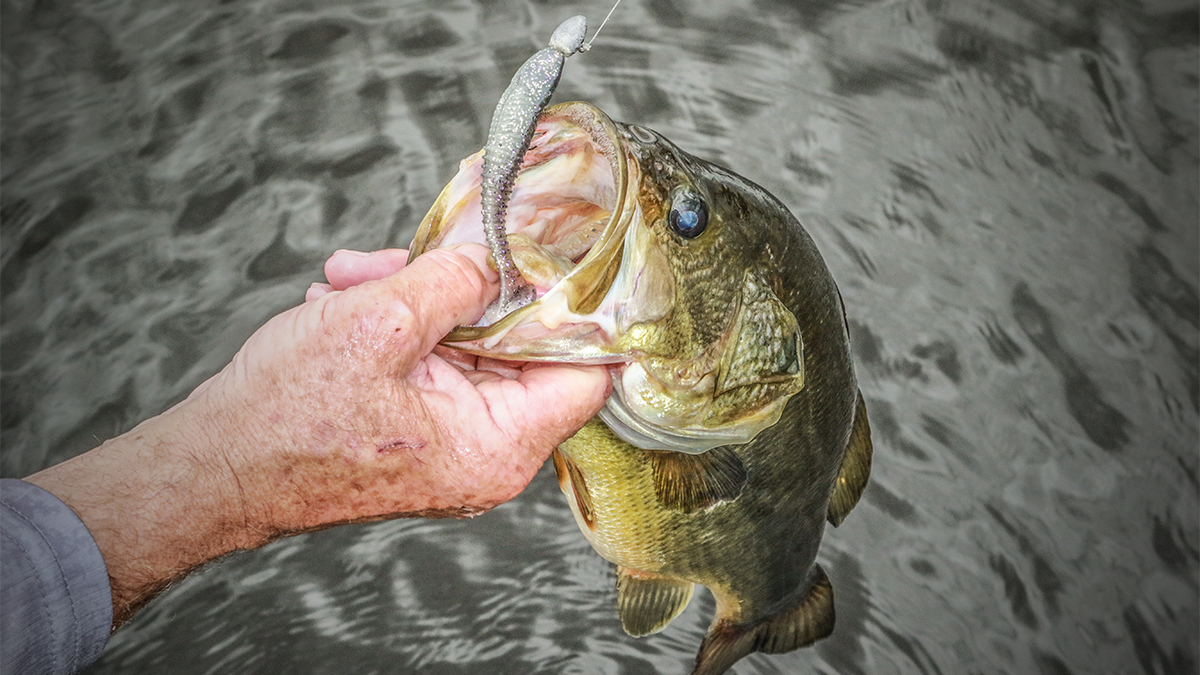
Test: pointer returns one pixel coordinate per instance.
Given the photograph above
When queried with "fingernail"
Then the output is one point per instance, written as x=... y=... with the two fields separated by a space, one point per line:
x=315 y=291
x=356 y=254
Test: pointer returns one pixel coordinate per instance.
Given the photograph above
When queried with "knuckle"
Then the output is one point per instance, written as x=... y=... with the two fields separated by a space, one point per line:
x=455 y=268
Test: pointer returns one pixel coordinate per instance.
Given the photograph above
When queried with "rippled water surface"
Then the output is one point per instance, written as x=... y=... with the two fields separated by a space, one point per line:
x=1005 y=191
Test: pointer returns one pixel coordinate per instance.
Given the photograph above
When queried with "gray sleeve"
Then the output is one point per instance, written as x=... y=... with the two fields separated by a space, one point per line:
x=57 y=604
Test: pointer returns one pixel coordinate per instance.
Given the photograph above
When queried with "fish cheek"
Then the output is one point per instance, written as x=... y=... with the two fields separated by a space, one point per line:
x=652 y=288
x=764 y=361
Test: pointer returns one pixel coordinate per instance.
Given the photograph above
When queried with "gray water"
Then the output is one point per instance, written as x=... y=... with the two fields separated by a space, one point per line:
x=1005 y=190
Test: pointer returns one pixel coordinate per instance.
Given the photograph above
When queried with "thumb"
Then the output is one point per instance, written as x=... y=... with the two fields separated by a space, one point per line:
x=440 y=290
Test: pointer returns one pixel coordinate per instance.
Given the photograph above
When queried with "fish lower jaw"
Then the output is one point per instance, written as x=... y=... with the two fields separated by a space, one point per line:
x=546 y=330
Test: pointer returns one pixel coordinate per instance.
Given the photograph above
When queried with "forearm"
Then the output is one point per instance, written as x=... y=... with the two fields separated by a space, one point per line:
x=336 y=411
x=153 y=504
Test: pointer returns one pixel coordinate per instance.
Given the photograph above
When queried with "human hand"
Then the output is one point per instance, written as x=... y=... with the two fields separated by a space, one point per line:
x=339 y=410
x=435 y=431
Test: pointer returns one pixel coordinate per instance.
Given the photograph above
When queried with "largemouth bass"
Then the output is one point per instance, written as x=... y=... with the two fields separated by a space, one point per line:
x=735 y=430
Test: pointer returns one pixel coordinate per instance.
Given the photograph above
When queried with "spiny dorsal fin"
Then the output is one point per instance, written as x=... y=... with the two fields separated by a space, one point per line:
x=856 y=467
x=647 y=602
x=692 y=482
x=808 y=620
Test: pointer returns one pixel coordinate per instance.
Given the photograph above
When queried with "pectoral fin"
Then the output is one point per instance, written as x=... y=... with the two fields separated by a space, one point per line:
x=647 y=602
x=856 y=467
x=808 y=620
x=692 y=482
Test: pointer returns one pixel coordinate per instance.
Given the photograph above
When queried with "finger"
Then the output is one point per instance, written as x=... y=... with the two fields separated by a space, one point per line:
x=440 y=290
x=478 y=377
x=508 y=369
x=561 y=399
x=488 y=363
x=460 y=360
x=345 y=268
x=316 y=290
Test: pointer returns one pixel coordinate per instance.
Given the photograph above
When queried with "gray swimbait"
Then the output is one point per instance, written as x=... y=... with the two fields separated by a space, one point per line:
x=512 y=129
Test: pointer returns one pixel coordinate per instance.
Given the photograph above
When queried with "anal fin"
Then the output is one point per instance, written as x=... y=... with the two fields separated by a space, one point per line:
x=808 y=620
x=856 y=467
x=648 y=602
x=692 y=482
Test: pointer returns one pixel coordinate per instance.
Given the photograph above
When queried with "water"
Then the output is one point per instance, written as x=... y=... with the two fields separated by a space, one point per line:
x=1006 y=192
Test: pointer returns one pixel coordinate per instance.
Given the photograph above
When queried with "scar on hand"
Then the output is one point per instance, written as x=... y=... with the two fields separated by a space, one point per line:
x=399 y=446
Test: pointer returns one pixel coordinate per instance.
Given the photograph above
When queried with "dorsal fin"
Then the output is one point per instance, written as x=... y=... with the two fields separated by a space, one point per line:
x=856 y=467
x=808 y=620
x=692 y=482
x=648 y=602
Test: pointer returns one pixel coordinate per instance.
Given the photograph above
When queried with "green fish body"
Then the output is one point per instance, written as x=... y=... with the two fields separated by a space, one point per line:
x=736 y=429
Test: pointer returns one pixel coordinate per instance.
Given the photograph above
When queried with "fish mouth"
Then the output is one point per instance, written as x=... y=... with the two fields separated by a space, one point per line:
x=567 y=223
x=576 y=231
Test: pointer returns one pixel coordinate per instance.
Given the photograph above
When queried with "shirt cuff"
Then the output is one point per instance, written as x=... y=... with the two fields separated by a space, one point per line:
x=53 y=585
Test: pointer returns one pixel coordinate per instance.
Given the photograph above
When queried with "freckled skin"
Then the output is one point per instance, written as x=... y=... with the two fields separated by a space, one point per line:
x=340 y=410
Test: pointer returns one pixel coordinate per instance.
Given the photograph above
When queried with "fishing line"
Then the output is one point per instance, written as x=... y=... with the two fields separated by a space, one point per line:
x=588 y=45
x=513 y=125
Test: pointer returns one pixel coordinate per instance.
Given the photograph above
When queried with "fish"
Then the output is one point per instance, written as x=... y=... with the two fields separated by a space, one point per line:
x=735 y=429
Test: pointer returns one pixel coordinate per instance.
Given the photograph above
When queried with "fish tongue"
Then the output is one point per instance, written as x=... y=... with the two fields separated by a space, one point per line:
x=541 y=266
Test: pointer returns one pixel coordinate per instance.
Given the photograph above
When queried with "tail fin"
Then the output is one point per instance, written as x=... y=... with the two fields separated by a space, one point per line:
x=808 y=620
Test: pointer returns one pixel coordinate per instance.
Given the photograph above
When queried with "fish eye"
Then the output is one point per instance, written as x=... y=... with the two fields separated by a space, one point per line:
x=689 y=214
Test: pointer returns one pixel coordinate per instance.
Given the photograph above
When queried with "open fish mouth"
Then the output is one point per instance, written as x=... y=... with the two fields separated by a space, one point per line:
x=567 y=223
x=585 y=227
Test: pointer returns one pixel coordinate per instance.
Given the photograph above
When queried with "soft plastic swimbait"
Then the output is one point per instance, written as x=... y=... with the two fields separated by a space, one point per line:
x=512 y=129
